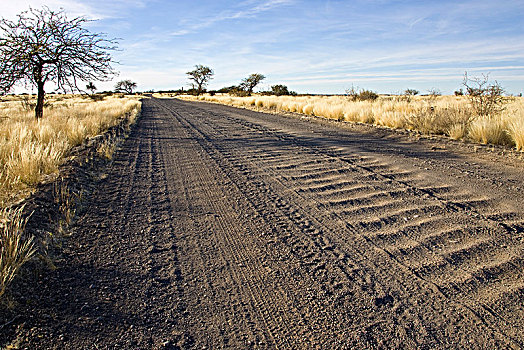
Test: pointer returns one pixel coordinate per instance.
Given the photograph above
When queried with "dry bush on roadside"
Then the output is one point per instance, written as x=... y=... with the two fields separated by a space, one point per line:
x=352 y=93
x=27 y=102
x=97 y=97
x=487 y=98
x=15 y=247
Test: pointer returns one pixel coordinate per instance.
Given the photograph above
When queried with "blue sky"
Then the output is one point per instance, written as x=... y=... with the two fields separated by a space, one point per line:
x=310 y=46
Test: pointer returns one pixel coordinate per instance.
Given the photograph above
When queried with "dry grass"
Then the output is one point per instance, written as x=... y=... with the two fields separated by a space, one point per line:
x=446 y=115
x=31 y=150
x=15 y=249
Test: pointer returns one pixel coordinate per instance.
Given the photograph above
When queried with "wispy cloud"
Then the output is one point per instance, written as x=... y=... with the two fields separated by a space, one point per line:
x=254 y=9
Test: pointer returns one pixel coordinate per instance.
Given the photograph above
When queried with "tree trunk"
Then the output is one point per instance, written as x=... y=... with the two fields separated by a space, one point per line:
x=39 y=109
x=39 y=81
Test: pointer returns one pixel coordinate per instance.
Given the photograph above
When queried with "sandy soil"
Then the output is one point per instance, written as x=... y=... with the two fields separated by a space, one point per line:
x=217 y=227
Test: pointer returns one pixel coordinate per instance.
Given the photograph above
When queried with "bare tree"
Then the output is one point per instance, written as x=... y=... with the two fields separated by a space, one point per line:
x=126 y=86
x=249 y=83
x=352 y=93
x=201 y=75
x=44 y=45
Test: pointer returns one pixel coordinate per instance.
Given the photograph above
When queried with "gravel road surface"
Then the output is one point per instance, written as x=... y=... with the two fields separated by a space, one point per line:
x=217 y=227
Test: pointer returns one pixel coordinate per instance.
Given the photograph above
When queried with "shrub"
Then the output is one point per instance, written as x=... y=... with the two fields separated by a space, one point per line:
x=354 y=94
x=485 y=98
x=97 y=97
x=411 y=92
x=367 y=95
x=457 y=131
x=239 y=92
x=279 y=90
x=227 y=89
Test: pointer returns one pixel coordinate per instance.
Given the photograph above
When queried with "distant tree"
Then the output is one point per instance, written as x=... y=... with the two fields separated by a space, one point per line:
x=126 y=86
x=91 y=87
x=459 y=92
x=44 y=45
x=249 y=83
x=201 y=75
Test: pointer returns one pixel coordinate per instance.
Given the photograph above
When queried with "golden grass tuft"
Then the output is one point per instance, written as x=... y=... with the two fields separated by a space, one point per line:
x=490 y=130
x=515 y=125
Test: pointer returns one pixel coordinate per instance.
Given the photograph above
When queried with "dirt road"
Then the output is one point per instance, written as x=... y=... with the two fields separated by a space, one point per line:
x=218 y=227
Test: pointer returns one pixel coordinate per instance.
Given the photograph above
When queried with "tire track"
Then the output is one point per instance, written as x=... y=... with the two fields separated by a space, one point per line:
x=249 y=271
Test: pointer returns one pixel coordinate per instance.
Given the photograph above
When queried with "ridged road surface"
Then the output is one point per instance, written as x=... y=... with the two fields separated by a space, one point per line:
x=218 y=227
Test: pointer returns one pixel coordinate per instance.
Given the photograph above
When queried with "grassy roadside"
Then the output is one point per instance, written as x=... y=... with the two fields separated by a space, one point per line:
x=445 y=115
x=31 y=151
